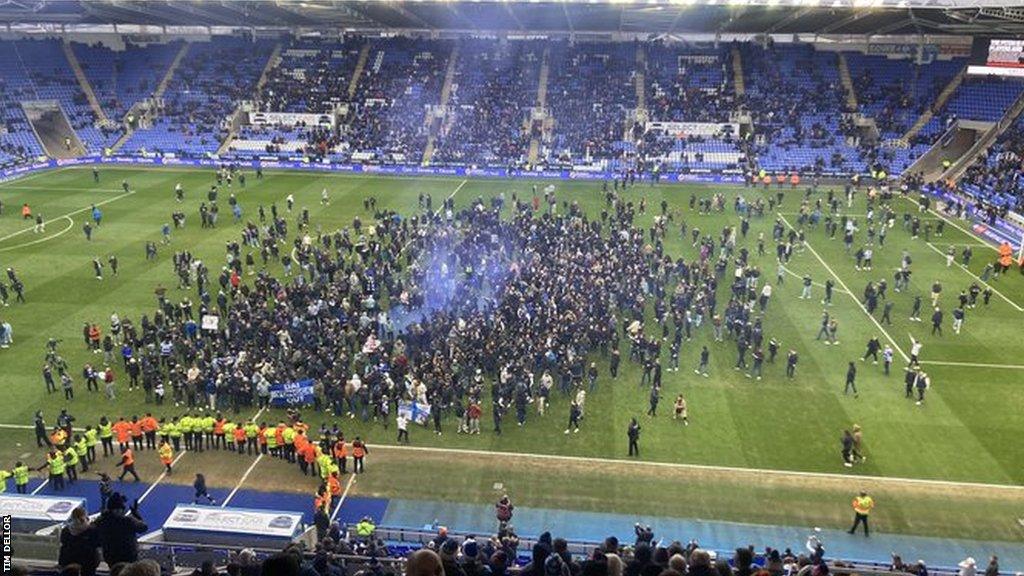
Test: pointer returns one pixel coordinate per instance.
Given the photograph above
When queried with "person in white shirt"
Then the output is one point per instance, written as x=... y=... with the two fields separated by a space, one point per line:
x=915 y=350
x=403 y=428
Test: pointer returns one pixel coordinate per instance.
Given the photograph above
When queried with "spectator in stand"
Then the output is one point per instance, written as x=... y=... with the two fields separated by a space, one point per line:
x=424 y=562
x=118 y=528
x=79 y=543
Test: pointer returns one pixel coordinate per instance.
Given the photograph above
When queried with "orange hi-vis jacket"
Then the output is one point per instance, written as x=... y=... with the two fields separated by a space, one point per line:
x=149 y=424
x=122 y=430
x=136 y=429
x=358 y=449
x=308 y=452
x=1005 y=255
x=334 y=485
x=128 y=458
x=58 y=437
x=340 y=449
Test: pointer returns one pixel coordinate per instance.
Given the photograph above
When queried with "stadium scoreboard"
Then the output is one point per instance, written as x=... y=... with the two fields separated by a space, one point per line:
x=1005 y=57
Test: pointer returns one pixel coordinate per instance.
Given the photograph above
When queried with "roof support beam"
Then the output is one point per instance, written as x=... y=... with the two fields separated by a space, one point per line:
x=409 y=15
x=512 y=14
x=843 y=22
x=901 y=23
x=789 y=19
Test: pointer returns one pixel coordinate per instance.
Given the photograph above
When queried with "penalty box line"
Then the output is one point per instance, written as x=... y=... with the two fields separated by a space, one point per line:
x=70 y=214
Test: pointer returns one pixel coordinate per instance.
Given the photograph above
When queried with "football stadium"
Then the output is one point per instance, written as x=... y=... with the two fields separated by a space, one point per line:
x=512 y=287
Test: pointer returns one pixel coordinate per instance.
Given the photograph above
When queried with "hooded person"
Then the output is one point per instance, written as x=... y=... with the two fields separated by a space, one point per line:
x=595 y=565
x=471 y=563
x=118 y=531
x=498 y=563
x=641 y=562
x=555 y=566
x=540 y=552
x=449 y=551
x=79 y=543
x=615 y=564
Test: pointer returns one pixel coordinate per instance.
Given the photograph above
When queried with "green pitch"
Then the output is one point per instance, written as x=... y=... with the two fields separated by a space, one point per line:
x=967 y=431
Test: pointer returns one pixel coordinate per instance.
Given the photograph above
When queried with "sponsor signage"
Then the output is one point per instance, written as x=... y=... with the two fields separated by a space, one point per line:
x=262 y=523
x=50 y=509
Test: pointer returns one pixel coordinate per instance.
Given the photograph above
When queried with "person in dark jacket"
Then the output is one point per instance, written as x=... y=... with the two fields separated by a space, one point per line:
x=448 y=560
x=79 y=543
x=118 y=531
x=541 y=551
x=322 y=522
x=700 y=563
x=642 y=564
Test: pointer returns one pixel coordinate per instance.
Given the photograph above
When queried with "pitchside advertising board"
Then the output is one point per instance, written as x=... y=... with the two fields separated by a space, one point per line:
x=238 y=526
x=30 y=513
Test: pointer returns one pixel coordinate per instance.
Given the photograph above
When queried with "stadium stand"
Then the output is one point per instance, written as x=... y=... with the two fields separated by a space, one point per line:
x=995 y=178
x=387 y=121
x=312 y=77
x=590 y=90
x=383 y=115
x=983 y=99
x=688 y=82
x=202 y=95
x=495 y=86
x=796 y=102
x=120 y=78
x=38 y=70
x=895 y=92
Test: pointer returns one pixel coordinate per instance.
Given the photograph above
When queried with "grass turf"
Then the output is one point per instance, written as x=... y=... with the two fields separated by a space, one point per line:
x=967 y=430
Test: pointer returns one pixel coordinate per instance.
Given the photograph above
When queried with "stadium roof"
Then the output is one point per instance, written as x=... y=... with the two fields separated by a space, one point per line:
x=832 y=17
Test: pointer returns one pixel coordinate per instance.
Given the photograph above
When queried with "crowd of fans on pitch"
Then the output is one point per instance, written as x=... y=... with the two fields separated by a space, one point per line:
x=482 y=311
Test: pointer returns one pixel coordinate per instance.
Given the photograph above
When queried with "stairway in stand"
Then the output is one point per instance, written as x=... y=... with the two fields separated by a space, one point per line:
x=84 y=84
x=640 y=85
x=542 y=100
x=851 y=93
x=236 y=116
x=940 y=102
x=738 y=83
x=364 y=55
x=446 y=93
x=157 y=94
